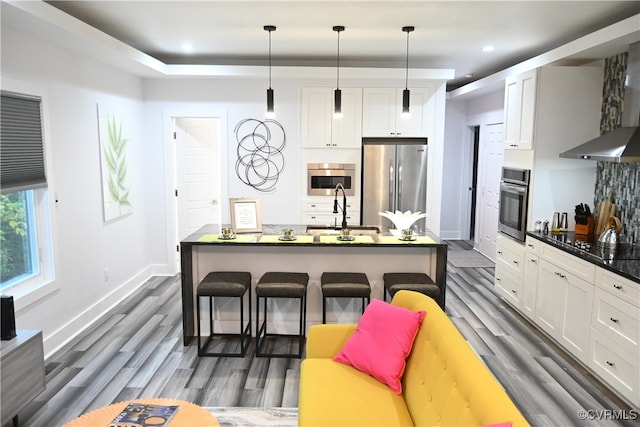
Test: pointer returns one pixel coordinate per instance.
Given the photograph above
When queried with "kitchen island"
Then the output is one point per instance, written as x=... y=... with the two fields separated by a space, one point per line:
x=373 y=254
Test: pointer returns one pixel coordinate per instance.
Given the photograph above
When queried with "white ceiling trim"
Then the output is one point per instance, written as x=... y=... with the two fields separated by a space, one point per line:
x=617 y=36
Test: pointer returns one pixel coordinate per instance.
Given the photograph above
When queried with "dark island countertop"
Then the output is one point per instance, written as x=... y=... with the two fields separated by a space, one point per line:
x=209 y=234
x=628 y=268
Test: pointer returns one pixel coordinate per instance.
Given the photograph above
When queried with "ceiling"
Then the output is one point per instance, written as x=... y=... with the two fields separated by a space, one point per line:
x=448 y=34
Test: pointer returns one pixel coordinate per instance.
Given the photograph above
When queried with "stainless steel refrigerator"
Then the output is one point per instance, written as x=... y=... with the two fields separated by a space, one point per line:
x=394 y=177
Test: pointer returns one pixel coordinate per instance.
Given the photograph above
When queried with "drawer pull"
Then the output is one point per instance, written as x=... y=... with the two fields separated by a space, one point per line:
x=515 y=262
x=614 y=320
x=610 y=363
x=533 y=260
x=499 y=252
x=560 y=275
x=618 y=287
x=530 y=245
x=513 y=292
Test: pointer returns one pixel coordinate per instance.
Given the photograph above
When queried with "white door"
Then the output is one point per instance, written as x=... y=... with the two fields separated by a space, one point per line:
x=492 y=155
x=197 y=173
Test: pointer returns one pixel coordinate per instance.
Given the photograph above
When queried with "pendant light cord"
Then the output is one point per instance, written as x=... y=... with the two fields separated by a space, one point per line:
x=338 y=29
x=338 y=64
x=270 y=59
x=406 y=79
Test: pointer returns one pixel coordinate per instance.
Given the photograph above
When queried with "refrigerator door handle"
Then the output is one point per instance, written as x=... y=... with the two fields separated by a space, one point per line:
x=391 y=187
x=399 y=190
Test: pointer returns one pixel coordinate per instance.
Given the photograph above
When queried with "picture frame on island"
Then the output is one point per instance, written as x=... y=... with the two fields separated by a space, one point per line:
x=246 y=216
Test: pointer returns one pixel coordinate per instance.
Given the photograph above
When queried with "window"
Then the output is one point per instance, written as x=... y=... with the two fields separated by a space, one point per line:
x=18 y=238
x=25 y=236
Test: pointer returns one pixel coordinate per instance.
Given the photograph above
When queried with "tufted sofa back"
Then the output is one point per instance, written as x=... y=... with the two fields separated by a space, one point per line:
x=445 y=383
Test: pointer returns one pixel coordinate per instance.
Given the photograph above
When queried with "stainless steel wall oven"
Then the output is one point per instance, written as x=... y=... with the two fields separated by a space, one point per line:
x=514 y=196
x=322 y=178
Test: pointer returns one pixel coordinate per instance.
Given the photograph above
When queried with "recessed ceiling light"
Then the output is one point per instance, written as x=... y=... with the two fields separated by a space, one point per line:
x=187 y=47
x=468 y=76
x=488 y=48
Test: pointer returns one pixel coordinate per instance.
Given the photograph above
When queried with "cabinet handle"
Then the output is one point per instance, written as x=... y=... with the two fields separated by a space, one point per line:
x=610 y=363
x=516 y=262
x=514 y=292
x=498 y=279
x=530 y=245
x=533 y=260
x=614 y=320
x=499 y=252
x=560 y=275
x=618 y=287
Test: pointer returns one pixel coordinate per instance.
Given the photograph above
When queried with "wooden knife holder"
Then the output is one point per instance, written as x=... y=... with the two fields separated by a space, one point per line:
x=586 y=229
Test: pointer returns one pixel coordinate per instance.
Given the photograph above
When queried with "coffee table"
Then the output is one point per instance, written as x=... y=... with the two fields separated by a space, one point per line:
x=188 y=415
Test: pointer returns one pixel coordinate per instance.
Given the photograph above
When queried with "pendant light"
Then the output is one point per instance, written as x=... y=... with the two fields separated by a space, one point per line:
x=337 y=94
x=405 y=92
x=270 y=111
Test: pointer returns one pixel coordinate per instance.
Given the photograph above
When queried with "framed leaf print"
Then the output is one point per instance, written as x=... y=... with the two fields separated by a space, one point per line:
x=113 y=165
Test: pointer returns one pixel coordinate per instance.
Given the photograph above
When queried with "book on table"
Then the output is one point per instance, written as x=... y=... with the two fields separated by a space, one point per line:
x=140 y=415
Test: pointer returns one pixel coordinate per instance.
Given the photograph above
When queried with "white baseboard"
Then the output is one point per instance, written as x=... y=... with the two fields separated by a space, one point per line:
x=54 y=341
x=450 y=235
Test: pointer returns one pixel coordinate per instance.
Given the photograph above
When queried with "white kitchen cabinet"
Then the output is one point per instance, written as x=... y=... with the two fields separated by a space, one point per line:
x=320 y=129
x=529 y=284
x=591 y=312
x=550 y=299
x=614 y=350
x=382 y=113
x=578 y=303
x=530 y=277
x=614 y=365
x=564 y=299
x=519 y=110
x=321 y=213
x=509 y=269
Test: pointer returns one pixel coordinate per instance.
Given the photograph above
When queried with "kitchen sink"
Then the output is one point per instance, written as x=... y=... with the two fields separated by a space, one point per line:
x=357 y=230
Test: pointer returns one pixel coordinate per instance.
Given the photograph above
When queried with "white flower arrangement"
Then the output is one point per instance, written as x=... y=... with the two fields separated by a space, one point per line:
x=402 y=220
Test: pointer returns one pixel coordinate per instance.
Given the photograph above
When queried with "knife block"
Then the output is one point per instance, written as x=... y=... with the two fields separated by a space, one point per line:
x=588 y=228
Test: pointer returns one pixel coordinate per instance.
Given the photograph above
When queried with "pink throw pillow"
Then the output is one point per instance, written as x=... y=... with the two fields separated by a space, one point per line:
x=382 y=341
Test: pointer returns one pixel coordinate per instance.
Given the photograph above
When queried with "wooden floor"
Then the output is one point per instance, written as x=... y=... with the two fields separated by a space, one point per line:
x=136 y=351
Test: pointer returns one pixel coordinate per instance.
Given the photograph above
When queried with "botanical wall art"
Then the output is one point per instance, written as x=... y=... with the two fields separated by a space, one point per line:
x=113 y=164
x=260 y=159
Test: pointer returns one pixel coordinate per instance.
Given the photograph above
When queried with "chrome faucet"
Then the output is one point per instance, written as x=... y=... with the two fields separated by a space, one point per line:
x=344 y=205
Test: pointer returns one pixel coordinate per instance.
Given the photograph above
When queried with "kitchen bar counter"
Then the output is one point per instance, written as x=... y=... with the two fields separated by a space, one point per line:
x=373 y=254
x=628 y=268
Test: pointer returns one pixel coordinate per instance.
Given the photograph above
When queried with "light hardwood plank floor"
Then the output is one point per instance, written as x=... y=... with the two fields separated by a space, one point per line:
x=136 y=351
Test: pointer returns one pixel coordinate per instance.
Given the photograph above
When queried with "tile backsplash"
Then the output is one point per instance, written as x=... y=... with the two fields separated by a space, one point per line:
x=621 y=179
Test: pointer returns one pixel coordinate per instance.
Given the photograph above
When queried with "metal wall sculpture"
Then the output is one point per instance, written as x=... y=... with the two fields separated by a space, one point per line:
x=259 y=151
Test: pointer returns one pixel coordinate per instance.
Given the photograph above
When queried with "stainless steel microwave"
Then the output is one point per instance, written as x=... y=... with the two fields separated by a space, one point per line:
x=322 y=178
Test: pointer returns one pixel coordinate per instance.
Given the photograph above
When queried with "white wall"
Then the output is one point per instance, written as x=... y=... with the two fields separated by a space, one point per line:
x=461 y=115
x=239 y=99
x=454 y=185
x=132 y=248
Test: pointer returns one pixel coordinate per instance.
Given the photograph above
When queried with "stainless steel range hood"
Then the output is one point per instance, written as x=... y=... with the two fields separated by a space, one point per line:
x=621 y=144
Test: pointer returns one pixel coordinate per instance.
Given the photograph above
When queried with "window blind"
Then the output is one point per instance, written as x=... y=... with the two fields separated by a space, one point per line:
x=21 y=144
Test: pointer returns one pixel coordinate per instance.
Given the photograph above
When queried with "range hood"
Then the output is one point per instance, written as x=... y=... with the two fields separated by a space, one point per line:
x=621 y=144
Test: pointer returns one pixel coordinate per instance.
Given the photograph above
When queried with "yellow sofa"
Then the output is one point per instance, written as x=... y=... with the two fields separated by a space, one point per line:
x=444 y=383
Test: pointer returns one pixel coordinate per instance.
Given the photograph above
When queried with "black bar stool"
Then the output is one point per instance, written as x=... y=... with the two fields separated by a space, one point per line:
x=344 y=285
x=418 y=282
x=281 y=285
x=232 y=284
